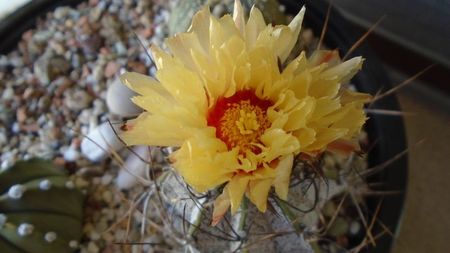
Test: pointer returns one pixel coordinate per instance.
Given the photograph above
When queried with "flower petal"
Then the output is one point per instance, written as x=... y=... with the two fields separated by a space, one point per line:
x=299 y=116
x=258 y=190
x=254 y=26
x=305 y=136
x=344 y=147
x=345 y=71
x=154 y=130
x=282 y=180
x=278 y=143
x=238 y=17
x=324 y=136
x=236 y=189
x=221 y=30
x=204 y=162
x=221 y=205
x=185 y=86
x=181 y=46
x=200 y=26
x=144 y=85
x=295 y=26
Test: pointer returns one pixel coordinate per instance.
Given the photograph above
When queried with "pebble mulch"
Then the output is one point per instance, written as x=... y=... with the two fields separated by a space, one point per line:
x=61 y=83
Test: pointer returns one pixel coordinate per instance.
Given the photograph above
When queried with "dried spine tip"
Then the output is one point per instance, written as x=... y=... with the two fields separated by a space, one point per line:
x=25 y=229
x=50 y=236
x=16 y=191
x=45 y=185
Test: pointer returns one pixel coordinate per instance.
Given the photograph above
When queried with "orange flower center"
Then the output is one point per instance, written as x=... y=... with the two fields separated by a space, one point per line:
x=240 y=119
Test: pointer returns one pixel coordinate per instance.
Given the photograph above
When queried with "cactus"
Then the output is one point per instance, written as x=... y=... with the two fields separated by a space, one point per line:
x=39 y=209
x=182 y=13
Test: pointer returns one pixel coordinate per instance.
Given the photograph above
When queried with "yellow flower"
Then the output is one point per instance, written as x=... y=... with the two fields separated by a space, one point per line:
x=236 y=116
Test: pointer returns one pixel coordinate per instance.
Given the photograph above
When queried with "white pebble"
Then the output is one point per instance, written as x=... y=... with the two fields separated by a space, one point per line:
x=5 y=165
x=25 y=229
x=71 y=154
x=70 y=185
x=45 y=185
x=94 y=236
x=15 y=127
x=92 y=248
x=118 y=100
x=3 y=220
x=120 y=48
x=8 y=94
x=50 y=236
x=218 y=10
x=99 y=141
x=73 y=244
x=133 y=168
x=355 y=228
x=107 y=179
x=16 y=191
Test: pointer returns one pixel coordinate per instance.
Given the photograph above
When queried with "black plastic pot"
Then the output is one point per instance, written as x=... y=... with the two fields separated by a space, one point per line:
x=386 y=133
x=13 y=26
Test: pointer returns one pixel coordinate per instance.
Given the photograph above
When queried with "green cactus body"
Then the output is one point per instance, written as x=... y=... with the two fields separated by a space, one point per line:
x=41 y=212
x=182 y=13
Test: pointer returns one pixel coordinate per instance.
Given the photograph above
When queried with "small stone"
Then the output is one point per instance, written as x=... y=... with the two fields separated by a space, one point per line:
x=81 y=183
x=73 y=244
x=21 y=114
x=15 y=127
x=50 y=236
x=77 y=100
x=107 y=179
x=5 y=165
x=92 y=247
x=8 y=94
x=107 y=196
x=138 y=67
x=3 y=220
x=61 y=12
x=118 y=100
x=94 y=236
x=71 y=154
x=70 y=185
x=25 y=229
x=219 y=10
x=120 y=234
x=45 y=185
x=133 y=168
x=41 y=70
x=355 y=228
x=111 y=69
x=108 y=237
x=121 y=50
x=99 y=141
x=16 y=191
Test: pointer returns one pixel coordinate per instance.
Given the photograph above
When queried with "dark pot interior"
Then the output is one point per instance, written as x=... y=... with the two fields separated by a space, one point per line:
x=385 y=132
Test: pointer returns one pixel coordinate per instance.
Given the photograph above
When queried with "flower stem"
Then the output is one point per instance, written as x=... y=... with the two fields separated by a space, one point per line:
x=240 y=219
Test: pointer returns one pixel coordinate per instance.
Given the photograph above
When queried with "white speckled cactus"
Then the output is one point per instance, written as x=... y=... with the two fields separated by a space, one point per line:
x=40 y=211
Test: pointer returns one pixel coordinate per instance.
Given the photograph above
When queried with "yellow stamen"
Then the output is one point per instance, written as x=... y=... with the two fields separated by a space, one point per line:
x=243 y=124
